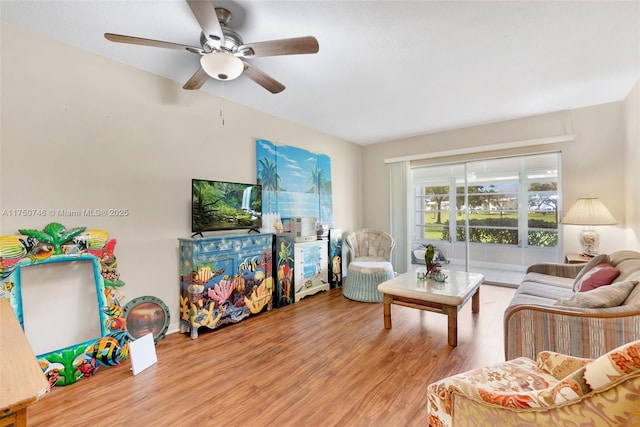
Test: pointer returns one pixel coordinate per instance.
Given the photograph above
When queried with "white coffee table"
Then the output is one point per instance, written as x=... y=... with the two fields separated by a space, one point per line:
x=445 y=298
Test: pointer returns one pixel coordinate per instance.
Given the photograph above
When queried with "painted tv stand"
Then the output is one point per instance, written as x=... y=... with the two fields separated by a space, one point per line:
x=224 y=279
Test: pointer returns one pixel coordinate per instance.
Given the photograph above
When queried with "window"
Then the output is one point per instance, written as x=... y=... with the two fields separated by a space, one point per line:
x=511 y=202
x=492 y=206
x=432 y=212
x=542 y=205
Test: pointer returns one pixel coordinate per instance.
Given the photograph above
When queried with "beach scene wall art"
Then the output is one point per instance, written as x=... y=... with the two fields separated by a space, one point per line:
x=295 y=182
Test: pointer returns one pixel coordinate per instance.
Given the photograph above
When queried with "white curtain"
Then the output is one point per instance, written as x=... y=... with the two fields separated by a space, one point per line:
x=399 y=198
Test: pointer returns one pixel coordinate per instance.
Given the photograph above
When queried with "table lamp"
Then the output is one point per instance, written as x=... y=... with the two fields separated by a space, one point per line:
x=589 y=212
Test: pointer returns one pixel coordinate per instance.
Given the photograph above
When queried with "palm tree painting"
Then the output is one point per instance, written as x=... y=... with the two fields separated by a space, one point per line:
x=295 y=182
x=267 y=174
x=324 y=189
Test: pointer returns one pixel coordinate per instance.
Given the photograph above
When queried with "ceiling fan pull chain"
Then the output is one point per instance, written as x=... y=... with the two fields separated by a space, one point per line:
x=222 y=105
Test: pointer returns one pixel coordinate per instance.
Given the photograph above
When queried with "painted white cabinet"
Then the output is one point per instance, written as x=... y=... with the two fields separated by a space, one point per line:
x=311 y=268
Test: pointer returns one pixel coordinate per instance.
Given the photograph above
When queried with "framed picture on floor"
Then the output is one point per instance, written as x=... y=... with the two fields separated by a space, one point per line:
x=147 y=314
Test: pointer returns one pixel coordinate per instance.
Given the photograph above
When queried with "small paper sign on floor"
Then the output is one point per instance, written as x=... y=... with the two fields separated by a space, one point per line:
x=143 y=353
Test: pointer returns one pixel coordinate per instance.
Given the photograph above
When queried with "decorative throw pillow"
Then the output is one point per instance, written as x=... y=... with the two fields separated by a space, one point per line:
x=606 y=296
x=600 y=275
x=596 y=260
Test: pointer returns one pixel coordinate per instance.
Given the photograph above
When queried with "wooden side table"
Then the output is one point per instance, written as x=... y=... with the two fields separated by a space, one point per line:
x=21 y=378
x=573 y=258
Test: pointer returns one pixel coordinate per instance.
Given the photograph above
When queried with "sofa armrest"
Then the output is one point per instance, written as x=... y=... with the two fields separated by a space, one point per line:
x=559 y=270
x=579 y=332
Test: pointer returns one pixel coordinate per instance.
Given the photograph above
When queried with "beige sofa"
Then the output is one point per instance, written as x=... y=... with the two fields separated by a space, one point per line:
x=534 y=322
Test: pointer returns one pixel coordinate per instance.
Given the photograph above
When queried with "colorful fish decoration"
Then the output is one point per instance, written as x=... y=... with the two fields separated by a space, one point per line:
x=111 y=349
x=203 y=275
x=250 y=264
x=41 y=252
x=12 y=250
x=92 y=241
x=115 y=320
x=116 y=323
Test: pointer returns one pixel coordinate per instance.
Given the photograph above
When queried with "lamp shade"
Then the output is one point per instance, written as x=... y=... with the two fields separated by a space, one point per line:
x=222 y=65
x=588 y=211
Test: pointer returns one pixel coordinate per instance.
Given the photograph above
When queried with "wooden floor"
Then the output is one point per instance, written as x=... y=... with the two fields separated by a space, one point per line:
x=323 y=361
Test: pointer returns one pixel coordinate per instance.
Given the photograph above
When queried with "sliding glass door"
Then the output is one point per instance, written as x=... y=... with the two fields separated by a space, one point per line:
x=499 y=213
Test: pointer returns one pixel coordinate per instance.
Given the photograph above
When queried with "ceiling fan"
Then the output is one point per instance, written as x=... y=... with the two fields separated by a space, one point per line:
x=223 y=53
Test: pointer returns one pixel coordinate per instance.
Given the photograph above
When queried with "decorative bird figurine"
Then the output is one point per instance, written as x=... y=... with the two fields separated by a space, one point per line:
x=429 y=254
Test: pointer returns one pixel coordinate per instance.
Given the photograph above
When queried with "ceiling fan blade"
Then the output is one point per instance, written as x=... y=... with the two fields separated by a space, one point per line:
x=197 y=80
x=205 y=14
x=263 y=79
x=149 y=42
x=293 y=46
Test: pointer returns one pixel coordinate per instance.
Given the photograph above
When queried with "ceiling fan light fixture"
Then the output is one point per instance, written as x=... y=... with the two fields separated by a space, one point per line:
x=221 y=65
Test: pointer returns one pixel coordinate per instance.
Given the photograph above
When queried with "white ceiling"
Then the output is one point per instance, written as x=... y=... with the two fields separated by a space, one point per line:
x=386 y=69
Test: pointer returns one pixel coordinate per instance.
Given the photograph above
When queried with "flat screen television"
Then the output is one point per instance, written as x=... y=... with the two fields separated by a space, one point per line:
x=220 y=205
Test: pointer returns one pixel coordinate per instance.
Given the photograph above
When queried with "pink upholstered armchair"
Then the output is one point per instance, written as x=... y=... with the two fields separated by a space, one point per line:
x=550 y=391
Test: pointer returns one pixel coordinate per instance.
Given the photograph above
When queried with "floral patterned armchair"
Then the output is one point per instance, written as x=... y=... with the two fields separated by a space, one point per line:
x=554 y=390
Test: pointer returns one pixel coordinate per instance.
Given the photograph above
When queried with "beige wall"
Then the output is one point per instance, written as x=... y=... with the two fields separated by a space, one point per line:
x=82 y=131
x=593 y=165
x=632 y=161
